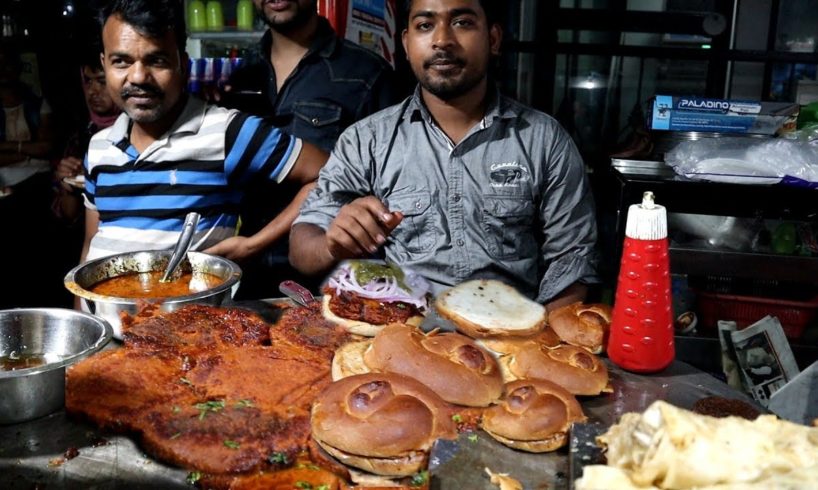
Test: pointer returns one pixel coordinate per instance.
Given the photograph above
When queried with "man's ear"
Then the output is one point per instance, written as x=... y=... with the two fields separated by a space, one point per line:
x=102 y=59
x=495 y=38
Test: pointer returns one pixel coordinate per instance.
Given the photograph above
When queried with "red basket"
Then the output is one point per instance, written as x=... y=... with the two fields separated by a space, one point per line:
x=745 y=310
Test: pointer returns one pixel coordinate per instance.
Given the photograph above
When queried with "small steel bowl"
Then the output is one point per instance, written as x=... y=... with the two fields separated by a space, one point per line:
x=54 y=336
x=80 y=279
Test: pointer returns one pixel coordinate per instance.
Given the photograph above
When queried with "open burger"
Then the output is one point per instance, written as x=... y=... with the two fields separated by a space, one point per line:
x=365 y=295
x=381 y=423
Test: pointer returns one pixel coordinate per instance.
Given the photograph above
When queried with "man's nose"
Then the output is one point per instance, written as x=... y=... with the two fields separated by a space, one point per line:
x=443 y=37
x=138 y=73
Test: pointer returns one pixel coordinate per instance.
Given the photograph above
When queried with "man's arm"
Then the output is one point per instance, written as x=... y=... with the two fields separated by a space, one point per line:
x=572 y=294
x=360 y=229
x=91 y=228
x=304 y=171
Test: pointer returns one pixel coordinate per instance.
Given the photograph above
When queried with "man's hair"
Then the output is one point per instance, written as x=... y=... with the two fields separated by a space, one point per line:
x=153 y=18
x=492 y=8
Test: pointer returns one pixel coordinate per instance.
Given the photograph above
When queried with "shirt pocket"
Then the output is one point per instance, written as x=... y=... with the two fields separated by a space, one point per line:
x=507 y=223
x=317 y=122
x=416 y=232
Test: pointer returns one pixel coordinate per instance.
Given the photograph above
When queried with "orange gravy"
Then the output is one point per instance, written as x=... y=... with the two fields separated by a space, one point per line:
x=148 y=285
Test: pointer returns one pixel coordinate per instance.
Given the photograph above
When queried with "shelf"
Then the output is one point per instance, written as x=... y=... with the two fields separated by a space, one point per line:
x=703 y=350
x=737 y=264
x=227 y=35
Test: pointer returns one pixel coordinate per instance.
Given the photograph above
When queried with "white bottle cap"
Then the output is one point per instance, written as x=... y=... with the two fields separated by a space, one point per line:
x=646 y=221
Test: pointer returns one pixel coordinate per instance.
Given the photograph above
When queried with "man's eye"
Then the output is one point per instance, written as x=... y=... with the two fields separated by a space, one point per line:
x=463 y=22
x=424 y=26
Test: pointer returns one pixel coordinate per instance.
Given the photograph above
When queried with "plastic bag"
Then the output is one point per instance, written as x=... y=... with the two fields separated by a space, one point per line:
x=741 y=161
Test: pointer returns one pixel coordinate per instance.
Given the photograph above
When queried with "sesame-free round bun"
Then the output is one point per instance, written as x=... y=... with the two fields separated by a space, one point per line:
x=489 y=308
x=509 y=345
x=452 y=365
x=534 y=416
x=582 y=325
x=359 y=327
x=571 y=367
x=379 y=422
x=349 y=359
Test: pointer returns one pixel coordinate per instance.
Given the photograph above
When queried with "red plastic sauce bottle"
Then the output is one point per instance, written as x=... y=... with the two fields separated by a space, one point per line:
x=641 y=337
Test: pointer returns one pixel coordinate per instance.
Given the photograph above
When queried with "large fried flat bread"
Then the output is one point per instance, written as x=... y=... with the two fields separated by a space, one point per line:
x=489 y=308
x=674 y=448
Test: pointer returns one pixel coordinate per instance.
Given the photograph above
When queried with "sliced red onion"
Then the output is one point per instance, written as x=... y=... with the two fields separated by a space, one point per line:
x=387 y=290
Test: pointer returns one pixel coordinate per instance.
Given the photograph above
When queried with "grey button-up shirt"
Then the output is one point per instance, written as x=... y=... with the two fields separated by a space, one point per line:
x=511 y=201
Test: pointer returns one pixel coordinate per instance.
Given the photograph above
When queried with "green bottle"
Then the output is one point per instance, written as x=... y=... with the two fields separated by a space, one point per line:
x=196 y=18
x=244 y=15
x=215 y=16
x=784 y=238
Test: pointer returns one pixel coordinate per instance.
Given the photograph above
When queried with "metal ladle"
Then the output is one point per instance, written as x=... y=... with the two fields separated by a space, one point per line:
x=182 y=245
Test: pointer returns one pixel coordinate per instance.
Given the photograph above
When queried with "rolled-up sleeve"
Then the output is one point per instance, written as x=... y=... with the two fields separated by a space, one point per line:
x=344 y=178
x=568 y=252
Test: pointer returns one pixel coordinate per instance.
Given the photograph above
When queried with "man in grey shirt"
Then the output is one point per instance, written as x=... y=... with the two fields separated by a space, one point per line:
x=457 y=182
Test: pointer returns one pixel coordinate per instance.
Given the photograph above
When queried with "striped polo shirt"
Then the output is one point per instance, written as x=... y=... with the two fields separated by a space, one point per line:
x=201 y=164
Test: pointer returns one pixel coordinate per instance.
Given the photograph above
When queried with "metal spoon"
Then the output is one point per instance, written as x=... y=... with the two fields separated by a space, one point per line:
x=182 y=245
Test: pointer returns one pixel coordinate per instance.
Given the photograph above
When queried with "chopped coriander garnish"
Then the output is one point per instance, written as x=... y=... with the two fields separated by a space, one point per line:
x=193 y=477
x=244 y=403
x=457 y=419
x=175 y=436
x=303 y=485
x=186 y=381
x=277 y=458
x=322 y=486
x=175 y=409
x=231 y=444
x=472 y=438
x=209 y=406
x=419 y=479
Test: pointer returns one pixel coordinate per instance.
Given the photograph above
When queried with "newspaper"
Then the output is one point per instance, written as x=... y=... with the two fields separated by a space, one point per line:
x=762 y=355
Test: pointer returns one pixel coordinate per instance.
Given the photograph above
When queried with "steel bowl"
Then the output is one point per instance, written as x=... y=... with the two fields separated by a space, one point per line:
x=56 y=338
x=80 y=279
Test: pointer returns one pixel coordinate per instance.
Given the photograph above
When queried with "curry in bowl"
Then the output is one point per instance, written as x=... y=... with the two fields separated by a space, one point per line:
x=149 y=285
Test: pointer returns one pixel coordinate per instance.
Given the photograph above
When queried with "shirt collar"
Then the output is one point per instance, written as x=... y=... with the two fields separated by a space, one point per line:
x=499 y=107
x=189 y=121
x=323 y=44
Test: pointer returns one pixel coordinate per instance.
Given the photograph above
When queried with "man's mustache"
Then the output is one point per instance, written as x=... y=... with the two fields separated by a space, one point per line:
x=140 y=91
x=444 y=58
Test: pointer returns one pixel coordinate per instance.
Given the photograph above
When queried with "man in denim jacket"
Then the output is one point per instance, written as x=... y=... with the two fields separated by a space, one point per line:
x=457 y=182
x=313 y=85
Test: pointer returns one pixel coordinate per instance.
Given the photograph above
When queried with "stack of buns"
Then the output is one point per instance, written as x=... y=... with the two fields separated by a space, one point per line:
x=505 y=357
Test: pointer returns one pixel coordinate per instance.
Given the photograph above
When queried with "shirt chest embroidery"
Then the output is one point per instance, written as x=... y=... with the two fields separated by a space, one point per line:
x=508 y=174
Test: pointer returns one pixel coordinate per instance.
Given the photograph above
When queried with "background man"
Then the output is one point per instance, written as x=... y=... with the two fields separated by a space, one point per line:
x=169 y=154
x=313 y=84
x=457 y=181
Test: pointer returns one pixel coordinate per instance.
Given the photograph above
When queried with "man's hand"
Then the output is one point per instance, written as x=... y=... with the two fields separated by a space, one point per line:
x=68 y=167
x=361 y=228
x=235 y=248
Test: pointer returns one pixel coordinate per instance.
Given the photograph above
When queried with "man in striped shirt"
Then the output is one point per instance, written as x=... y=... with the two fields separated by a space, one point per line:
x=169 y=154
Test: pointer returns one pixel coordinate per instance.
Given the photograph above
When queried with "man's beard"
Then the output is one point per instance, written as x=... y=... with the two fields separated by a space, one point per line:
x=447 y=88
x=143 y=114
x=301 y=17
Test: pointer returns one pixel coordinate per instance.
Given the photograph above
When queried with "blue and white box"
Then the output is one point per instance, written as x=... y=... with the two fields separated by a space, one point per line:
x=672 y=113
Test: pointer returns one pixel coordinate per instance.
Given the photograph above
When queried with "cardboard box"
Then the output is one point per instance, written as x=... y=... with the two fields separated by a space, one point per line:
x=672 y=113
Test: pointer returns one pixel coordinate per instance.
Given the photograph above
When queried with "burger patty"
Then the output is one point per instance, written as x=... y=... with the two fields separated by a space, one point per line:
x=353 y=307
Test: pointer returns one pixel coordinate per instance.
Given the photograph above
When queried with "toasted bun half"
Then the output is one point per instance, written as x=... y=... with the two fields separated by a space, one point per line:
x=379 y=422
x=452 y=365
x=489 y=308
x=582 y=325
x=571 y=367
x=509 y=345
x=359 y=327
x=534 y=416
x=349 y=359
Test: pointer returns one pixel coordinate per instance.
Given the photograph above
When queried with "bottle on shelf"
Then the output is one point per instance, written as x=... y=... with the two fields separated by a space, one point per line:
x=196 y=16
x=215 y=15
x=244 y=15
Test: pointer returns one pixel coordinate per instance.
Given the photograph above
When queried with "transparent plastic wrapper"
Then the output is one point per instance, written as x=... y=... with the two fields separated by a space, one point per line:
x=735 y=160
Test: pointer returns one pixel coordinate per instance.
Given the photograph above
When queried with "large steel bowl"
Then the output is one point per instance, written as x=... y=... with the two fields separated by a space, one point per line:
x=81 y=278
x=55 y=336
